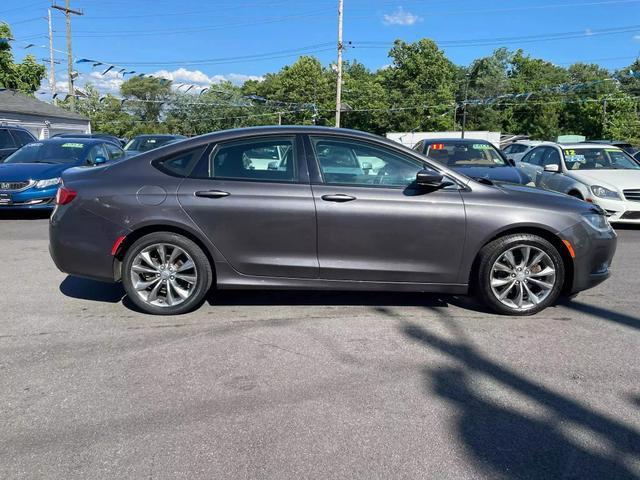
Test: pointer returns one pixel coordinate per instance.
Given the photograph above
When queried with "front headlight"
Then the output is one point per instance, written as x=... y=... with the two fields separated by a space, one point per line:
x=48 y=182
x=597 y=221
x=602 y=192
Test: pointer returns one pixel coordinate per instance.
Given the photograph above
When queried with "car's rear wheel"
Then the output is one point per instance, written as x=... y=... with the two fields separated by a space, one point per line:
x=166 y=274
x=520 y=274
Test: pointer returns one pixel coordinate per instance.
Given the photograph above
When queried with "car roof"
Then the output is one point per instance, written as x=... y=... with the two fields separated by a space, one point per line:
x=528 y=142
x=461 y=141
x=83 y=140
x=14 y=127
x=159 y=135
x=584 y=145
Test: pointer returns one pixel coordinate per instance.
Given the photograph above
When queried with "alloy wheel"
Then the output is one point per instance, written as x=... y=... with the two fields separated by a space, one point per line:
x=163 y=275
x=522 y=277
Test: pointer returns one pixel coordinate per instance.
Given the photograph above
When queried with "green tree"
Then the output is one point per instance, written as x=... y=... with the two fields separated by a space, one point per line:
x=25 y=76
x=421 y=86
x=146 y=97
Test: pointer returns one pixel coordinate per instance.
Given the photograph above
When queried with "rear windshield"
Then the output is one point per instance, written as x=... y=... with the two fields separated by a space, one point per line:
x=479 y=154
x=605 y=158
x=147 y=143
x=44 y=152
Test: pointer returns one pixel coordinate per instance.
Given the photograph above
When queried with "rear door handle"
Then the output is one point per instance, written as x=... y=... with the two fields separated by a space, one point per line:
x=338 y=197
x=212 y=194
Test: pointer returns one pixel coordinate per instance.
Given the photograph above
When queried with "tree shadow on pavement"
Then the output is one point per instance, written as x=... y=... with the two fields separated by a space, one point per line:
x=603 y=313
x=509 y=443
x=86 y=289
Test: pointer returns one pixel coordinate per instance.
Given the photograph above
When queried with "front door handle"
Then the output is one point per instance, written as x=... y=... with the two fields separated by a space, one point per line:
x=338 y=197
x=212 y=194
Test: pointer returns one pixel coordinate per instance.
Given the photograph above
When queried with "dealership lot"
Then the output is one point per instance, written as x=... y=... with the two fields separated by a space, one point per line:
x=309 y=384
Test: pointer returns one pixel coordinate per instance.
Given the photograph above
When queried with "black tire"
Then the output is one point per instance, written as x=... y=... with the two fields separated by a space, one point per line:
x=202 y=266
x=494 y=250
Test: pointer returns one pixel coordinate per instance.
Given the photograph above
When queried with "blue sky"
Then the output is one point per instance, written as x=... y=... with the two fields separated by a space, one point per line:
x=203 y=41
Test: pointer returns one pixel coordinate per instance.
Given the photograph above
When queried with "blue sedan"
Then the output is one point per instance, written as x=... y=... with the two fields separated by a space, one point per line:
x=29 y=178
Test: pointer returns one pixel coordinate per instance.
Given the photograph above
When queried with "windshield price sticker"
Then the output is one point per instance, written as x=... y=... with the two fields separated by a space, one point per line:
x=481 y=146
x=72 y=145
x=575 y=158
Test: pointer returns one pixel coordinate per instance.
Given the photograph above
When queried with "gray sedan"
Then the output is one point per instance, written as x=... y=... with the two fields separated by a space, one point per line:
x=319 y=208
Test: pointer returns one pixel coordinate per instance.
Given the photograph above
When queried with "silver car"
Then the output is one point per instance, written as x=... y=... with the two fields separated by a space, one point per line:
x=602 y=174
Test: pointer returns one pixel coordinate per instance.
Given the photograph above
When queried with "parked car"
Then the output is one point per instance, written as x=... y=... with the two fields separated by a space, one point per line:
x=516 y=150
x=12 y=138
x=478 y=159
x=171 y=222
x=626 y=146
x=29 y=178
x=600 y=174
x=103 y=136
x=144 y=143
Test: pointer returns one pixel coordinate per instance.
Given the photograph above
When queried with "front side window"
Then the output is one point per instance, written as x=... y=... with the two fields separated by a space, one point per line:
x=267 y=159
x=114 y=152
x=6 y=141
x=23 y=137
x=595 y=158
x=551 y=158
x=351 y=162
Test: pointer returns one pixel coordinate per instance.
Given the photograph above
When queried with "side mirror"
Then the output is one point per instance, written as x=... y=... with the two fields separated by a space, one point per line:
x=99 y=161
x=272 y=166
x=553 y=168
x=428 y=178
x=511 y=162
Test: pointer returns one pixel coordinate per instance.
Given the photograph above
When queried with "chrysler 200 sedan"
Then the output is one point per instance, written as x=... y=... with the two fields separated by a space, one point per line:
x=284 y=207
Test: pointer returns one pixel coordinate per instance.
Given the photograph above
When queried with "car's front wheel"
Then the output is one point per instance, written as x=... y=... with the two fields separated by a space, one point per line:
x=166 y=274
x=520 y=274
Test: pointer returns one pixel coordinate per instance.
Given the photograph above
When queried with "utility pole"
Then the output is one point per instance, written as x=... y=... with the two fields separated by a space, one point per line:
x=52 y=68
x=340 y=48
x=68 y=12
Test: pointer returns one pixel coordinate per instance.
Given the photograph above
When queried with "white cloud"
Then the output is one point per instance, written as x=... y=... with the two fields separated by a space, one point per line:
x=636 y=37
x=400 y=17
x=196 y=77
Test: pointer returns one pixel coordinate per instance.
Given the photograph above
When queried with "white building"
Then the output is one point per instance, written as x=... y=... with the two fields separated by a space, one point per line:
x=40 y=118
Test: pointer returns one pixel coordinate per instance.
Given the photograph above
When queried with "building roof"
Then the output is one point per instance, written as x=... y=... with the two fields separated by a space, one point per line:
x=12 y=101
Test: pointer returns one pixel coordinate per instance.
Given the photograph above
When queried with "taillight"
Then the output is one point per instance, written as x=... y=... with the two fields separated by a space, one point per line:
x=65 y=195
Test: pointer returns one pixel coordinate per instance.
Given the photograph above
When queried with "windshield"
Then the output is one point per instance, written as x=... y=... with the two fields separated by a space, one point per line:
x=45 y=152
x=594 y=158
x=144 y=144
x=466 y=154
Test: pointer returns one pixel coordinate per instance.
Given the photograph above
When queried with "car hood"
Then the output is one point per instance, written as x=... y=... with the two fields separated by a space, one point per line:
x=498 y=174
x=612 y=179
x=16 y=172
x=539 y=198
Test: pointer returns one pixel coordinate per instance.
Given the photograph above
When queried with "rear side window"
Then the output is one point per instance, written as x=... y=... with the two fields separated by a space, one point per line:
x=114 y=151
x=180 y=164
x=22 y=137
x=6 y=140
x=271 y=159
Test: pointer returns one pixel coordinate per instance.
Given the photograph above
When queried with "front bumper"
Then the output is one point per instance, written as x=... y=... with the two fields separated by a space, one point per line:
x=620 y=211
x=594 y=253
x=29 y=199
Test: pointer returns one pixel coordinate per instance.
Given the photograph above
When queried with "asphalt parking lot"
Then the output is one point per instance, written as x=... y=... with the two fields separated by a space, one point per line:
x=311 y=385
